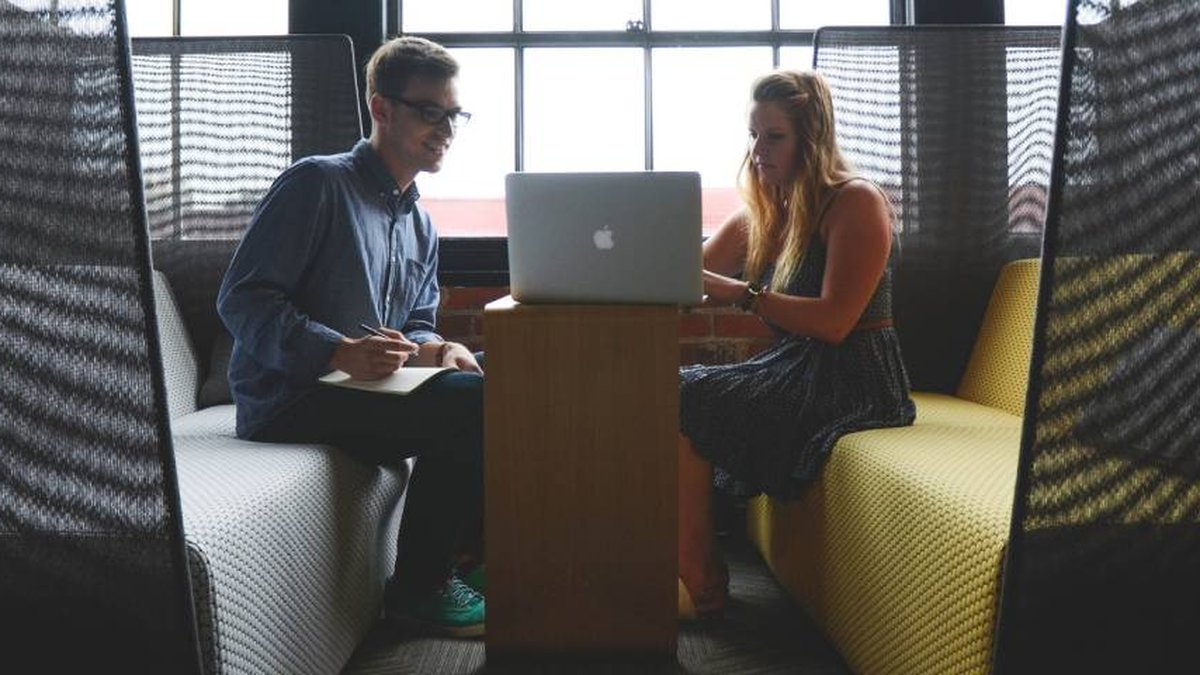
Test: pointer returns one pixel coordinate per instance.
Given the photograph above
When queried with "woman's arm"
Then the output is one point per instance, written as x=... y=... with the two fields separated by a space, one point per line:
x=858 y=240
x=725 y=250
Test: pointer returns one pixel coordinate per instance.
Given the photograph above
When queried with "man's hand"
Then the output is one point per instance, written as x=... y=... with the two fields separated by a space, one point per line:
x=455 y=355
x=373 y=357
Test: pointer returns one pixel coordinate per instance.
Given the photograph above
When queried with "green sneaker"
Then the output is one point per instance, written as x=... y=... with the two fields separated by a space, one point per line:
x=453 y=610
x=476 y=579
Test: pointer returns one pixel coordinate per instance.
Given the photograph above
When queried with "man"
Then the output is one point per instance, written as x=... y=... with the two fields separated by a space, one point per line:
x=339 y=245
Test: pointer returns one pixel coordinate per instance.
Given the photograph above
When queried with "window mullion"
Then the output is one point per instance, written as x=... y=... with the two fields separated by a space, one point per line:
x=519 y=105
x=776 y=40
x=519 y=86
x=648 y=106
x=648 y=88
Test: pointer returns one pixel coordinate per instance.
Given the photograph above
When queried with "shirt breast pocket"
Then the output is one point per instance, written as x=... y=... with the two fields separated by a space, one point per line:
x=412 y=285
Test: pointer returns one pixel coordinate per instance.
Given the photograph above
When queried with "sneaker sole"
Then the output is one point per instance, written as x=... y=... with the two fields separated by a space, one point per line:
x=470 y=631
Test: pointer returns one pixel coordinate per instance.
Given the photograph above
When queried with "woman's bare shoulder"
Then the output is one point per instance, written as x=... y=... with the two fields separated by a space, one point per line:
x=863 y=188
x=860 y=193
x=857 y=201
x=739 y=219
x=736 y=225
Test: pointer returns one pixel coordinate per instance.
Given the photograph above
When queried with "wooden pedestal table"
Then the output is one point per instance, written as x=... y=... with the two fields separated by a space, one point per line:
x=581 y=427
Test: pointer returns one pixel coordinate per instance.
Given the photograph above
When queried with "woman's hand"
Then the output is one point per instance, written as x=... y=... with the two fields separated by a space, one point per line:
x=721 y=290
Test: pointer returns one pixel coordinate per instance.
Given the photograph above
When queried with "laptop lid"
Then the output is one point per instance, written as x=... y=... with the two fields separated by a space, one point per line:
x=631 y=237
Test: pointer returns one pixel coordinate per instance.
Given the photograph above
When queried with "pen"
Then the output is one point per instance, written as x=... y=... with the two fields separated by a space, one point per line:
x=374 y=331
x=378 y=333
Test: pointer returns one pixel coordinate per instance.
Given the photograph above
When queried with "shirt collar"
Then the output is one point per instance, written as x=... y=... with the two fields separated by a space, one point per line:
x=370 y=161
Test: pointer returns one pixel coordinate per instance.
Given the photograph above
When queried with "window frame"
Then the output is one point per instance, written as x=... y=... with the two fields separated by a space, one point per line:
x=483 y=261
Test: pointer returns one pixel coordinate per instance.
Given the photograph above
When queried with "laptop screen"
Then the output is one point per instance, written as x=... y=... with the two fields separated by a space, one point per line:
x=630 y=237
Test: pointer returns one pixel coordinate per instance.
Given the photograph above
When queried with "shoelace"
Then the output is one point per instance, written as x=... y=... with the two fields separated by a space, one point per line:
x=461 y=593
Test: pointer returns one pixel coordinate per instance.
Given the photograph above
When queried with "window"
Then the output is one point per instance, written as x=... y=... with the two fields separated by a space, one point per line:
x=806 y=14
x=156 y=18
x=583 y=109
x=1035 y=12
x=620 y=85
x=545 y=15
x=703 y=93
x=150 y=18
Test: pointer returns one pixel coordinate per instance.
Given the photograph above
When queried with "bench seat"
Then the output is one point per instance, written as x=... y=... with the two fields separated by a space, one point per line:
x=288 y=545
x=897 y=550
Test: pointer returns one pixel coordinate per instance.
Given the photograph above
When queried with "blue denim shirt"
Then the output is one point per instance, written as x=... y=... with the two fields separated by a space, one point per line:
x=334 y=243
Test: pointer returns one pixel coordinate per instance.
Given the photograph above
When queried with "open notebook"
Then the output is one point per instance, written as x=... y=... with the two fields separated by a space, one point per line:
x=403 y=381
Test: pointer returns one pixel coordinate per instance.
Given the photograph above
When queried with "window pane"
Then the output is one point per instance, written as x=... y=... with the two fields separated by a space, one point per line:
x=584 y=110
x=711 y=15
x=700 y=106
x=466 y=198
x=796 y=58
x=580 y=14
x=433 y=16
x=800 y=14
x=149 y=18
x=212 y=17
x=1035 y=12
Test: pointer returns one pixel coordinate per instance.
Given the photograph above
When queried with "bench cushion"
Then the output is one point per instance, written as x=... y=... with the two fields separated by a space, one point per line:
x=179 y=359
x=897 y=550
x=288 y=546
x=997 y=373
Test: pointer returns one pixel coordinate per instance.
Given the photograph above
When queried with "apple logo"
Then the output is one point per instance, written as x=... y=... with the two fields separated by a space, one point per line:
x=603 y=238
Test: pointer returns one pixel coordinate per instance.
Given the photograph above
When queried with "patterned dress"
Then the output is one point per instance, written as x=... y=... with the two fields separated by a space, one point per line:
x=768 y=424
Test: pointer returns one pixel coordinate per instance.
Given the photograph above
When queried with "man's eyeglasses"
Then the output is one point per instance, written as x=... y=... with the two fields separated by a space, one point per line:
x=435 y=114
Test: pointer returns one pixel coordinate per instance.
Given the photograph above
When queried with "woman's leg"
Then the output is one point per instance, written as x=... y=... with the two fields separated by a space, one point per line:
x=698 y=564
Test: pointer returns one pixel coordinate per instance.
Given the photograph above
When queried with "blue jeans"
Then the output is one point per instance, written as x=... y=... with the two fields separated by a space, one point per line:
x=441 y=424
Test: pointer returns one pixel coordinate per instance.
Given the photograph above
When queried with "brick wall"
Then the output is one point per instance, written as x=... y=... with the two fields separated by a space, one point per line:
x=708 y=335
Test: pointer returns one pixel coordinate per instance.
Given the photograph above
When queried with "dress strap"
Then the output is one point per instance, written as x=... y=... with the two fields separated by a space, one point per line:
x=833 y=195
x=838 y=190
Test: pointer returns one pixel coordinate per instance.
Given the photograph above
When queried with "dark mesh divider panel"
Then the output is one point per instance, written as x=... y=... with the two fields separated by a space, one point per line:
x=92 y=574
x=956 y=123
x=219 y=119
x=1103 y=571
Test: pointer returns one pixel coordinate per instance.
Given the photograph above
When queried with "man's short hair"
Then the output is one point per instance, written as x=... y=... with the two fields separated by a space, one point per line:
x=401 y=59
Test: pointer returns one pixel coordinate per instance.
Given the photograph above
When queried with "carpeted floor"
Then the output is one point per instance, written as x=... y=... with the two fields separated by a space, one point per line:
x=762 y=632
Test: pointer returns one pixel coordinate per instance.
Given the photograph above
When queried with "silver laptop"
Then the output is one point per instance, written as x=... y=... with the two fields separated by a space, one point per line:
x=604 y=237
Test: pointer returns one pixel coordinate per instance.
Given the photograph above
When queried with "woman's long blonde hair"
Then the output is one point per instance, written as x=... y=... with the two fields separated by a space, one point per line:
x=790 y=212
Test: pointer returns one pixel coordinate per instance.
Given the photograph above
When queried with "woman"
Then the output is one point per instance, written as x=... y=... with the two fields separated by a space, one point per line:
x=809 y=255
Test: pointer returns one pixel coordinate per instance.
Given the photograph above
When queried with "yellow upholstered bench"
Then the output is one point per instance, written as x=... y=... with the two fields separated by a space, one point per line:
x=897 y=550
